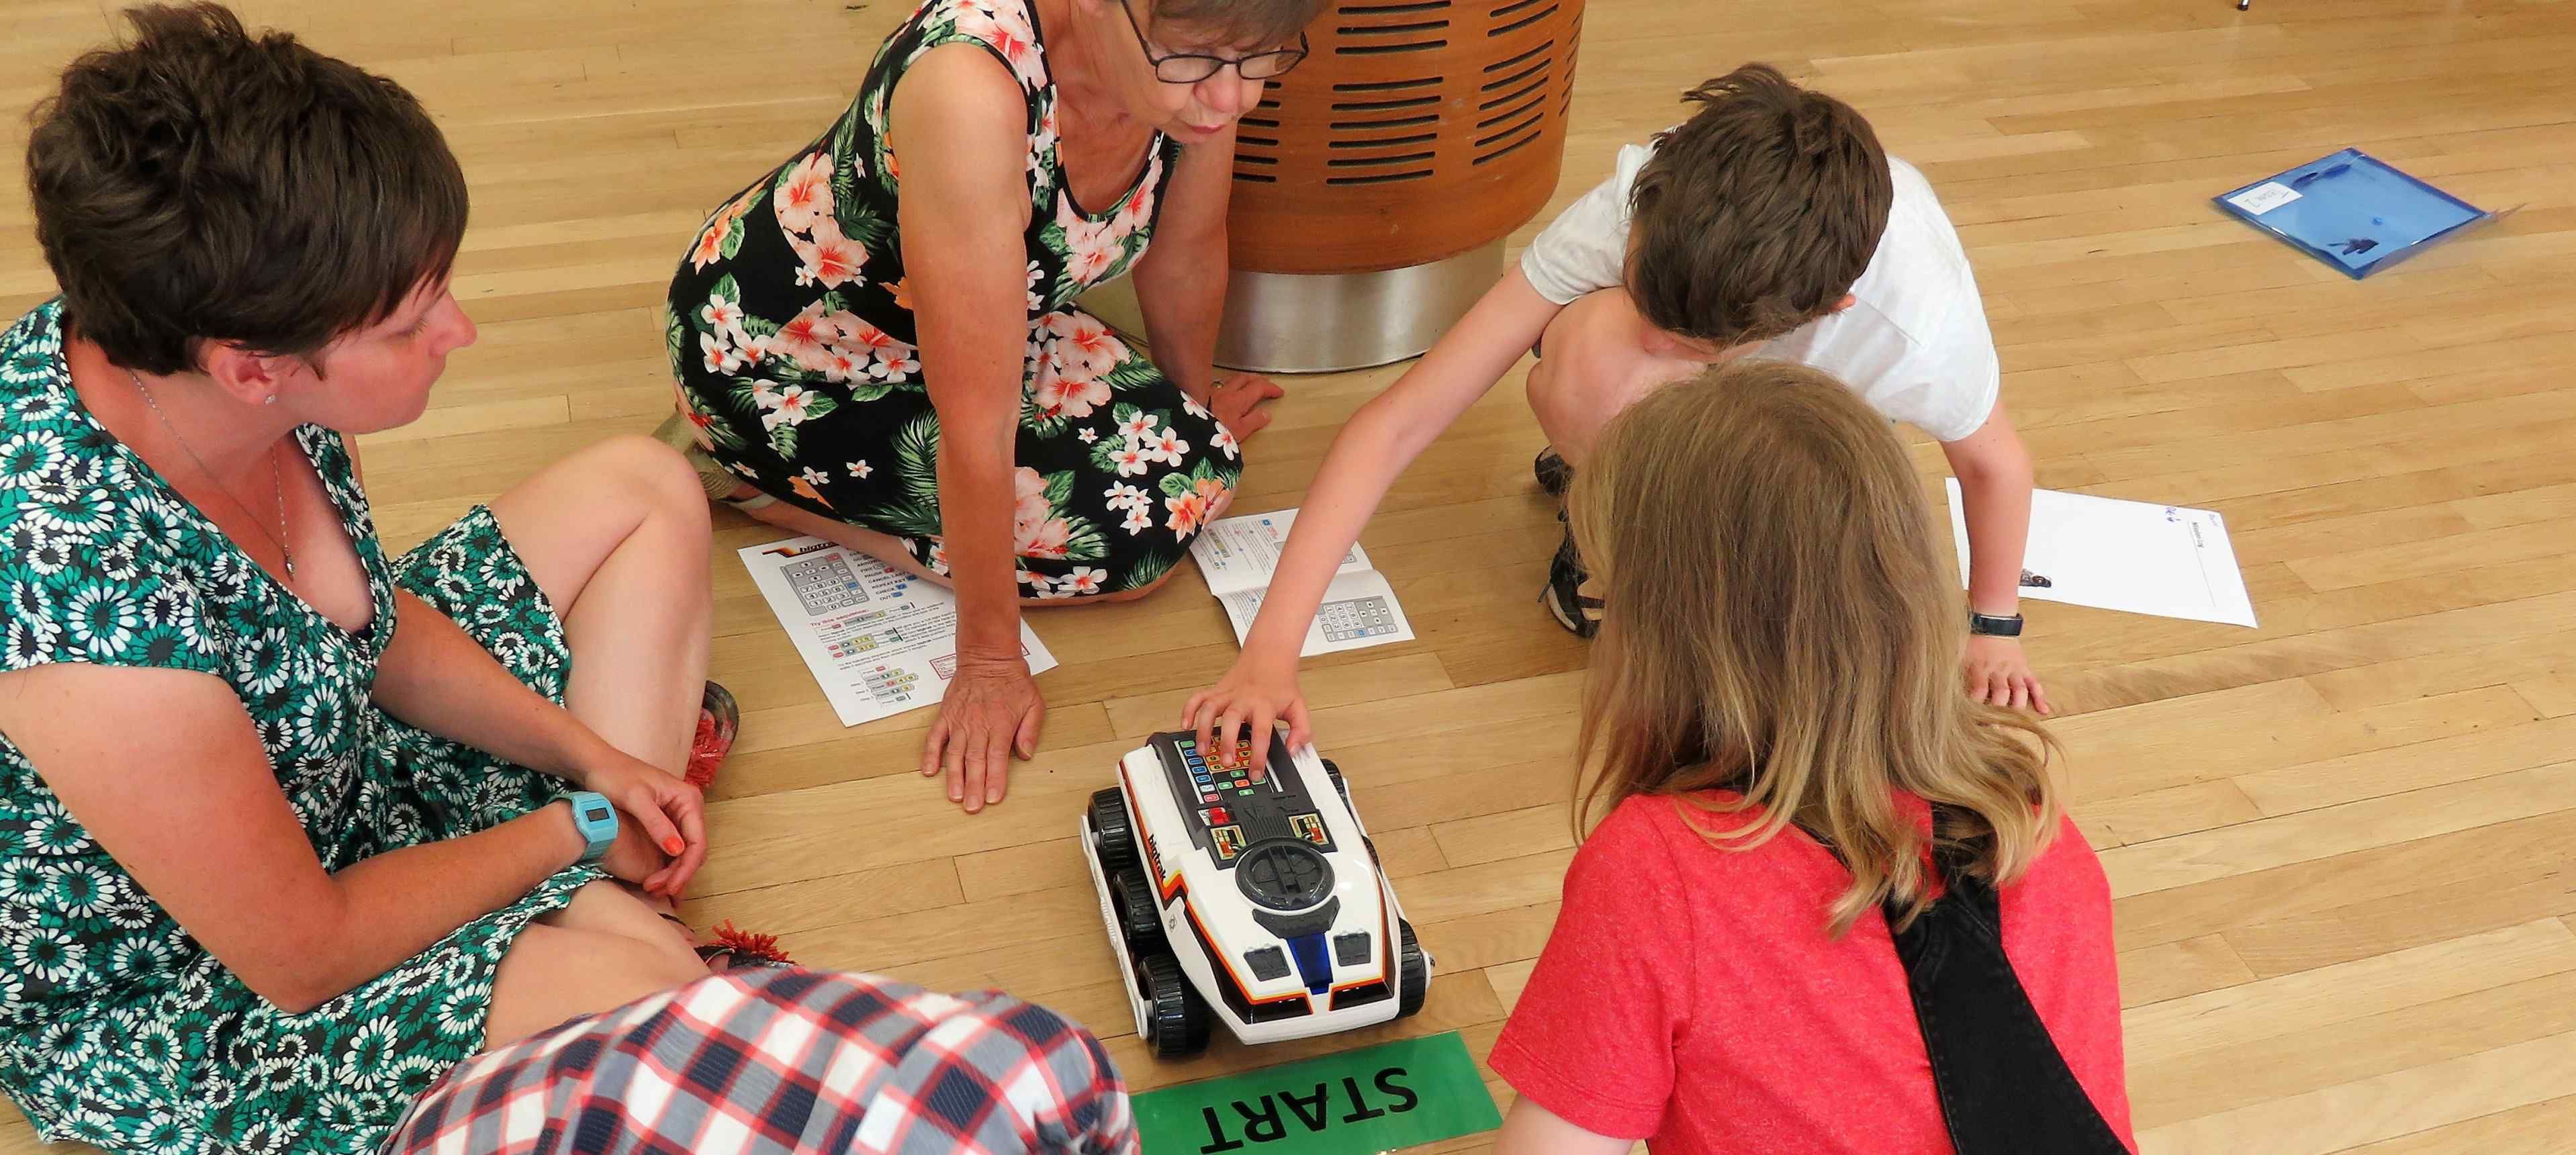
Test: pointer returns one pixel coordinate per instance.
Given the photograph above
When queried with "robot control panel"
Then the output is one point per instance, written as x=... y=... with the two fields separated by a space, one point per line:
x=1228 y=812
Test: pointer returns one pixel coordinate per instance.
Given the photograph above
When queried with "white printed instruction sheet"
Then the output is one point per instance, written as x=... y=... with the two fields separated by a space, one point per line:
x=2133 y=556
x=880 y=640
x=1238 y=555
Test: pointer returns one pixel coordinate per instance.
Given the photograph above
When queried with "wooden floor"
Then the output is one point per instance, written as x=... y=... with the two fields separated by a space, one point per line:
x=2341 y=844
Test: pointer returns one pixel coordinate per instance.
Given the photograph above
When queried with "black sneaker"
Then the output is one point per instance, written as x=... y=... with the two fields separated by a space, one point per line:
x=1575 y=606
x=1553 y=474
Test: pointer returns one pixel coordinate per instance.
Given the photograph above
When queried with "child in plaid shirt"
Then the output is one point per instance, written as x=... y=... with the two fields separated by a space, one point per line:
x=758 y=1061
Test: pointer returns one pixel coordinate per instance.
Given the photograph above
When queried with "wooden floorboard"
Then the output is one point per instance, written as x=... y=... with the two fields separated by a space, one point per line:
x=2340 y=843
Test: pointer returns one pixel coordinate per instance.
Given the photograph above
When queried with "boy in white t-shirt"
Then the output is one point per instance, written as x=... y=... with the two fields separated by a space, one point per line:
x=1769 y=224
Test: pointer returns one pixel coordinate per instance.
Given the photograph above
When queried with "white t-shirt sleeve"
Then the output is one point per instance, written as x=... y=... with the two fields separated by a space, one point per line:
x=1586 y=247
x=1945 y=386
x=1949 y=387
x=1914 y=343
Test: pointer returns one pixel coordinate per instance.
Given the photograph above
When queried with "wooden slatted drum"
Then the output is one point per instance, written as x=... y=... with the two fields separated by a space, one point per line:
x=1375 y=184
x=1418 y=130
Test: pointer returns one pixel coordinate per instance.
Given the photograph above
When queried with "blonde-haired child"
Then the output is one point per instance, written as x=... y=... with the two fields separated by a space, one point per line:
x=1824 y=874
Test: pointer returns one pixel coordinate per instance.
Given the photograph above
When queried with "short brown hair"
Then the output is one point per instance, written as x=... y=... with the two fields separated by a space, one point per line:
x=1757 y=214
x=197 y=183
x=1252 y=21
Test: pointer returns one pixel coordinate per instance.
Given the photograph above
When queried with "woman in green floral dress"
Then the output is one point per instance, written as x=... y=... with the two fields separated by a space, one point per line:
x=879 y=341
x=279 y=833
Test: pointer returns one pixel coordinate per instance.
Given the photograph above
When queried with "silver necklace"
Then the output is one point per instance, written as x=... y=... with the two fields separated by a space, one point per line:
x=275 y=479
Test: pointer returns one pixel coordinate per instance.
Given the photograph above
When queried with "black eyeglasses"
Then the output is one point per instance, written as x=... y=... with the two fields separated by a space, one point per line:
x=1193 y=67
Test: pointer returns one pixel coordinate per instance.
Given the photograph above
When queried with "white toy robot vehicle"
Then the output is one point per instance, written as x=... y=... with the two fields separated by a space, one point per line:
x=1259 y=904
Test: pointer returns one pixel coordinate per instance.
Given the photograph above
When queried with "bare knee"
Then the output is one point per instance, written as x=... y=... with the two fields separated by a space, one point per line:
x=615 y=908
x=654 y=476
x=1562 y=414
x=553 y=973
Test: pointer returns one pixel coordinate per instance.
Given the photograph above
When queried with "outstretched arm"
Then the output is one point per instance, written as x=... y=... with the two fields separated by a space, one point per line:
x=1364 y=460
x=1994 y=472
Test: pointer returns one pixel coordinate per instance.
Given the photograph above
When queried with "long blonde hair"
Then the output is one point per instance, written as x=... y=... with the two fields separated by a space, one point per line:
x=1778 y=624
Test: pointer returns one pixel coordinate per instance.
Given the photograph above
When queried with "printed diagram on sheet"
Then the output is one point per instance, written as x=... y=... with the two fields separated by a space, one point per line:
x=824 y=584
x=1239 y=556
x=878 y=640
x=1361 y=617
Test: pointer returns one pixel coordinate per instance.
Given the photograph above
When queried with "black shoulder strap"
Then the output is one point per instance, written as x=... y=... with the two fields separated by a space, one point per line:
x=2004 y=1087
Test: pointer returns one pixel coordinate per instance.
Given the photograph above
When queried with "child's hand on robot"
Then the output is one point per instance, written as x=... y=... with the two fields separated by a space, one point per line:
x=1235 y=717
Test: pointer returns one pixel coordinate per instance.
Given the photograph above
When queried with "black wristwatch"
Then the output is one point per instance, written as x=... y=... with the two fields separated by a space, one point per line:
x=1990 y=626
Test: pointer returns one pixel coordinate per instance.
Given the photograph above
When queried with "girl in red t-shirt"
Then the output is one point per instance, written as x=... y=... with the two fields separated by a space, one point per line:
x=1812 y=832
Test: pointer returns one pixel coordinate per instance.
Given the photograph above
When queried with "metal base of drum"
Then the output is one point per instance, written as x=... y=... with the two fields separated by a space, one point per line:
x=1290 y=323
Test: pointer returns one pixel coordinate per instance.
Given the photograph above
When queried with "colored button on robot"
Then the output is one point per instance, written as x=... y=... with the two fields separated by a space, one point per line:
x=1216 y=816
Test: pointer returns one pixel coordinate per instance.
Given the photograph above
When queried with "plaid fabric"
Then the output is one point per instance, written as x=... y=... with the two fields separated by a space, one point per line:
x=786 y=1060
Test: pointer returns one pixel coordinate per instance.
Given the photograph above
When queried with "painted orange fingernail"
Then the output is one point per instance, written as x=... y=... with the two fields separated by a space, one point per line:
x=673 y=845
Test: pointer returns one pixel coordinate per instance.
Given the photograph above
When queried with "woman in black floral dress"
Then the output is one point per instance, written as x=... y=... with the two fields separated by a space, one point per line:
x=881 y=337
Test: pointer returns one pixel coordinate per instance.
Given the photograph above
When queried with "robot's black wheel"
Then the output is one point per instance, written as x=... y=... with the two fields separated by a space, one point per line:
x=1178 y=1025
x=1334 y=772
x=1140 y=918
x=1115 y=840
x=1413 y=970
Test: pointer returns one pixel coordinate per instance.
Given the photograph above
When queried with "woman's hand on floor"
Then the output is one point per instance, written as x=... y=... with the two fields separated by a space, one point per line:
x=665 y=815
x=1249 y=702
x=992 y=712
x=1236 y=399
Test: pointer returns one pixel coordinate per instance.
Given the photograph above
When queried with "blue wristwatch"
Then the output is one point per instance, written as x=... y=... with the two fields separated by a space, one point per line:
x=596 y=818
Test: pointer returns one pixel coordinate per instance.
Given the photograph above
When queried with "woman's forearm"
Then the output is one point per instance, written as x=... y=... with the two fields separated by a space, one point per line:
x=390 y=907
x=976 y=508
x=1180 y=289
x=435 y=676
x=167 y=774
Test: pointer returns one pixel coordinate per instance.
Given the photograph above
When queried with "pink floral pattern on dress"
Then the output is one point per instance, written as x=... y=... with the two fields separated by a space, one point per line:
x=792 y=337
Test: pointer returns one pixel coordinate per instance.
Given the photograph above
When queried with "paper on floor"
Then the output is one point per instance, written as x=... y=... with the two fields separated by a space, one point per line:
x=880 y=641
x=1238 y=555
x=2133 y=556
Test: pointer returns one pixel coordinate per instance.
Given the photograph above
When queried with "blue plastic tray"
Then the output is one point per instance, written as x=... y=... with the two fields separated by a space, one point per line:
x=2352 y=211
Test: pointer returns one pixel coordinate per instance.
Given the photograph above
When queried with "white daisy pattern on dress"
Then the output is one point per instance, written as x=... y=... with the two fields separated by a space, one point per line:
x=146 y=1042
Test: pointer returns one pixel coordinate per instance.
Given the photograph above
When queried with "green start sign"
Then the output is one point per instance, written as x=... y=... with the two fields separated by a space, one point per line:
x=1376 y=1099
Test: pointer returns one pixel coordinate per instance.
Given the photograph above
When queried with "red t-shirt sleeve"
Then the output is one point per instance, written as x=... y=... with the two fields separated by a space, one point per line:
x=1593 y=1035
